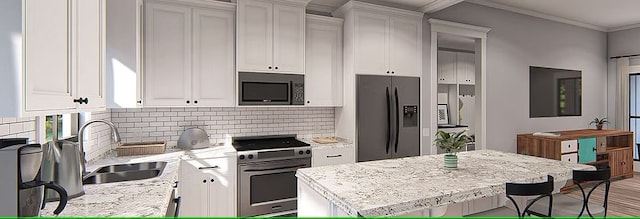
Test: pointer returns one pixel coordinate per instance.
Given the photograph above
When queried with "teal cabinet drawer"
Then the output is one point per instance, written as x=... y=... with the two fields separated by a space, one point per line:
x=586 y=149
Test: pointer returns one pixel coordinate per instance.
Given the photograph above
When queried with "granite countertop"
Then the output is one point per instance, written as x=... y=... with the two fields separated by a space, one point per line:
x=342 y=143
x=397 y=186
x=148 y=197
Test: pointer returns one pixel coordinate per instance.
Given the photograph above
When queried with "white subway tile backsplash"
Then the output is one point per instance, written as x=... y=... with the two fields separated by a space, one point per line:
x=158 y=124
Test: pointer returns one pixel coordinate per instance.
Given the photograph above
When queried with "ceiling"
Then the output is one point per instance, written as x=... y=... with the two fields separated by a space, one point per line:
x=604 y=15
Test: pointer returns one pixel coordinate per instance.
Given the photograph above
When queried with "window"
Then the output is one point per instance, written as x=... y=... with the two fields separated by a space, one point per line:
x=60 y=126
x=634 y=110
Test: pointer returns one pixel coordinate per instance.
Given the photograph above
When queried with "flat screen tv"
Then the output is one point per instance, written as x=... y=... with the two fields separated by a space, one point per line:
x=554 y=92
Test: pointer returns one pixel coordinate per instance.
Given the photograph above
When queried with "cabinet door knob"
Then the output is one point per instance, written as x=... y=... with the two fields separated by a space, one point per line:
x=387 y=72
x=212 y=180
x=269 y=67
x=139 y=101
x=393 y=72
x=308 y=101
x=195 y=102
x=204 y=181
x=188 y=101
x=276 y=67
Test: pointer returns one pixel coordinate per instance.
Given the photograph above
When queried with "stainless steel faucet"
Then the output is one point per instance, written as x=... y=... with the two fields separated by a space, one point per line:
x=114 y=131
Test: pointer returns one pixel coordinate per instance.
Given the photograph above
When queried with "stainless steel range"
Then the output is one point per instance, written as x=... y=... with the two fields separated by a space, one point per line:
x=267 y=165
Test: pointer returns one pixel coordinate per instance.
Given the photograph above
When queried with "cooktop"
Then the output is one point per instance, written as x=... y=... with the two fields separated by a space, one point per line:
x=267 y=142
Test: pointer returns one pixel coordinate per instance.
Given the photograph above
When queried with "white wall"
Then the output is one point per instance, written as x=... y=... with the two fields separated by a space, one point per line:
x=516 y=42
x=624 y=42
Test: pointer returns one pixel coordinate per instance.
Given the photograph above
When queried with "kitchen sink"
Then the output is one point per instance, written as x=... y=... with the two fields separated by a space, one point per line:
x=124 y=172
x=131 y=167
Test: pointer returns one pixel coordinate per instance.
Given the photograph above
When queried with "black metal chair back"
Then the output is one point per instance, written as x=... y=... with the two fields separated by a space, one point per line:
x=542 y=190
x=602 y=177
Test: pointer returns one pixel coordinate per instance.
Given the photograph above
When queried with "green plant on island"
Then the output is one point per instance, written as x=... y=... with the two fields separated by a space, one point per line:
x=451 y=143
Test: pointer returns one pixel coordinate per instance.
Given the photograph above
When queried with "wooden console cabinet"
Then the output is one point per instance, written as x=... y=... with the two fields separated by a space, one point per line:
x=588 y=146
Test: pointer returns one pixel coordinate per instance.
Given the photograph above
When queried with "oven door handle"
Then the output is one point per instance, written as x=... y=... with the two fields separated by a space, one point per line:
x=277 y=168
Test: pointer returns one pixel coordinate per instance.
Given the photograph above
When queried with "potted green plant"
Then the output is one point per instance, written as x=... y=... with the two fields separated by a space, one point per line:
x=599 y=122
x=451 y=143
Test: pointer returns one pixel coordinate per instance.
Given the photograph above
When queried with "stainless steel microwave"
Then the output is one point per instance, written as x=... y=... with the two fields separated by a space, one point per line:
x=270 y=89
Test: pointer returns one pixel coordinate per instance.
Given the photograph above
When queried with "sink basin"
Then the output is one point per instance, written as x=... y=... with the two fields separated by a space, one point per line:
x=131 y=167
x=125 y=172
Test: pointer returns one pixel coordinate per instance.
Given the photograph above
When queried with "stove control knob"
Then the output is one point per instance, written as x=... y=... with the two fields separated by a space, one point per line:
x=300 y=152
x=308 y=151
x=250 y=156
x=241 y=157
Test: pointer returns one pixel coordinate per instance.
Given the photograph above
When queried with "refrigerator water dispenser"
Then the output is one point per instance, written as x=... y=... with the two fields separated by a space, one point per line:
x=410 y=116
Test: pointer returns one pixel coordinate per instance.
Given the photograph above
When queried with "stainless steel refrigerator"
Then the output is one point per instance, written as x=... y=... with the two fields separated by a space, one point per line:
x=387 y=116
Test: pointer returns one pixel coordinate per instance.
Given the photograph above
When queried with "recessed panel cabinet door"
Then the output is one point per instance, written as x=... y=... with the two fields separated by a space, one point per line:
x=213 y=57
x=193 y=185
x=371 y=44
x=406 y=46
x=465 y=68
x=446 y=67
x=167 y=74
x=88 y=52
x=288 y=38
x=48 y=79
x=255 y=36
x=323 y=74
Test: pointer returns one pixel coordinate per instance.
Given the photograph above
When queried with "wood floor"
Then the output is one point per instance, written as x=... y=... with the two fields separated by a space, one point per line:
x=624 y=196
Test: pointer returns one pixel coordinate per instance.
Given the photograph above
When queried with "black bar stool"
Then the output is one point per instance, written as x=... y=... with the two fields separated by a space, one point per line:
x=541 y=190
x=566 y=205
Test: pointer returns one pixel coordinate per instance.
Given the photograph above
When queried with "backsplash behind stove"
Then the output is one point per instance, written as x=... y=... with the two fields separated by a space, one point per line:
x=166 y=124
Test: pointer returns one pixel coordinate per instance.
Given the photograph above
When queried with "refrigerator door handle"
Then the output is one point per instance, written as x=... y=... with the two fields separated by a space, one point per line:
x=397 y=119
x=388 y=120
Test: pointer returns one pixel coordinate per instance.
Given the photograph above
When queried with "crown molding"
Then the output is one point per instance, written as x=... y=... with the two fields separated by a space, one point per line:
x=625 y=27
x=438 y=5
x=320 y=8
x=357 y=5
x=537 y=14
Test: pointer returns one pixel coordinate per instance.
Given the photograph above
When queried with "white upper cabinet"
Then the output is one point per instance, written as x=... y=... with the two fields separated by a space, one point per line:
x=255 y=36
x=405 y=46
x=123 y=53
x=386 y=41
x=466 y=68
x=456 y=67
x=167 y=41
x=323 y=68
x=213 y=59
x=188 y=54
x=48 y=79
x=52 y=57
x=88 y=52
x=371 y=39
x=446 y=67
x=288 y=38
x=271 y=36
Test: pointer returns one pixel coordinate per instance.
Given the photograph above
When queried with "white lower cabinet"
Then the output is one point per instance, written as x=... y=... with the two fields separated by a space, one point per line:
x=207 y=187
x=333 y=156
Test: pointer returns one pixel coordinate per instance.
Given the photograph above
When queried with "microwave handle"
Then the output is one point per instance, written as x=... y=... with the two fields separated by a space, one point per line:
x=290 y=92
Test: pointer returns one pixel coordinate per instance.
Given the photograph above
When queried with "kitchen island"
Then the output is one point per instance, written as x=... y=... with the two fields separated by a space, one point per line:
x=420 y=185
